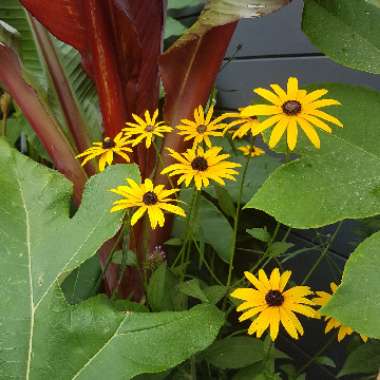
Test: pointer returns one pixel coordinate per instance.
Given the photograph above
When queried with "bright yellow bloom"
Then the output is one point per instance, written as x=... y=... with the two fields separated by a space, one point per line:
x=272 y=305
x=201 y=166
x=147 y=197
x=247 y=124
x=106 y=150
x=202 y=127
x=251 y=150
x=292 y=109
x=146 y=129
x=322 y=299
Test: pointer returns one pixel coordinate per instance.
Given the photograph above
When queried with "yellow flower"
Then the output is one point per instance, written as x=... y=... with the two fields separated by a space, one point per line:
x=251 y=150
x=106 y=150
x=202 y=127
x=201 y=166
x=247 y=124
x=272 y=305
x=146 y=129
x=322 y=299
x=290 y=109
x=147 y=197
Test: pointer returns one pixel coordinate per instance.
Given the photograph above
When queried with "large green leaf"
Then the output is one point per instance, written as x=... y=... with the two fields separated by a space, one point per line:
x=348 y=31
x=339 y=181
x=39 y=241
x=93 y=340
x=356 y=302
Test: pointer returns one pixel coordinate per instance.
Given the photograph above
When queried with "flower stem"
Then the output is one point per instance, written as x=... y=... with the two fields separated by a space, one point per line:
x=236 y=221
x=322 y=255
x=160 y=163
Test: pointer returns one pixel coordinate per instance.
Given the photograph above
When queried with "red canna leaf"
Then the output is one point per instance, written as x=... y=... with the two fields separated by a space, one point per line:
x=120 y=42
x=43 y=123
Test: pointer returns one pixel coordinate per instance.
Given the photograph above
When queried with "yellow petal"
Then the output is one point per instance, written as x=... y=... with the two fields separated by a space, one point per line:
x=261 y=109
x=314 y=95
x=268 y=95
x=292 y=133
x=264 y=279
x=280 y=92
x=292 y=88
x=275 y=279
x=317 y=122
x=255 y=282
x=277 y=132
x=323 y=103
x=310 y=132
x=137 y=215
x=274 y=322
x=284 y=279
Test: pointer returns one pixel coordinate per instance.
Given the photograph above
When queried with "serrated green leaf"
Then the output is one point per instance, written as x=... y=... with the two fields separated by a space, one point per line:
x=364 y=360
x=39 y=242
x=261 y=234
x=348 y=31
x=341 y=180
x=359 y=306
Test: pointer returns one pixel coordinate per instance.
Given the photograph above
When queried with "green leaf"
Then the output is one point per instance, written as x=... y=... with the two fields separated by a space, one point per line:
x=81 y=283
x=39 y=242
x=215 y=293
x=173 y=28
x=348 y=31
x=210 y=225
x=163 y=291
x=175 y=242
x=325 y=360
x=235 y=352
x=354 y=305
x=130 y=259
x=365 y=360
x=225 y=201
x=278 y=248
x=339 y=181
x=180 y=4
x=100 y=341
x=261 y=234
x=258 y=371
x=193 y=289
x=14 y=14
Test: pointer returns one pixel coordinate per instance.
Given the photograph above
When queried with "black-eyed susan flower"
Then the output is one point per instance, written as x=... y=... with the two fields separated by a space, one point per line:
x=147 y=198
x=146 y=129
x=291 y=109
x=202 y=127
x=201 y=166
x=251 y=150
x=322 y=299
x=245 y=124
x=106 y=151
x=271 y=305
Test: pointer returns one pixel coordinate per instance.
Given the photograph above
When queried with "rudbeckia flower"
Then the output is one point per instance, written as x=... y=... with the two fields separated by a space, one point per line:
x=201 y=166
x=147 y=198
x=245 y=124
x=251 y=150
x=322 y=299
x=202 y=127
x=146 y=129
x=271 y=305
x=106 y=150
x=290 y=110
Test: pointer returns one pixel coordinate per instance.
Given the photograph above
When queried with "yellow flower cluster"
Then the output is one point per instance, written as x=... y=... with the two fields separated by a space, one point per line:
x=270 y=305
x=204 y=162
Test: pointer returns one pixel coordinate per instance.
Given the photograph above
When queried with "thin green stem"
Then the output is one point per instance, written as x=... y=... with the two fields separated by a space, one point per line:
x=236 y=222
x=4 y=125
x=322 y=255
x=316 y=355
x=193 y=368
x=160 y=163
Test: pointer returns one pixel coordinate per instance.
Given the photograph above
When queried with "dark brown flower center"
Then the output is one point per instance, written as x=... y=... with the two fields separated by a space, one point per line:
x=149 y=128
x=202 y=128
x=150 y=198
x=274 y=298
x=199 y=163
x=108 y=143
x=292 y=107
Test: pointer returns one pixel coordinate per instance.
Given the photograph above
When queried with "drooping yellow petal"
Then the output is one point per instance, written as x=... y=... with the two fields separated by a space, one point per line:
x=292 y=134
x=310 y=132
x=278 y=132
